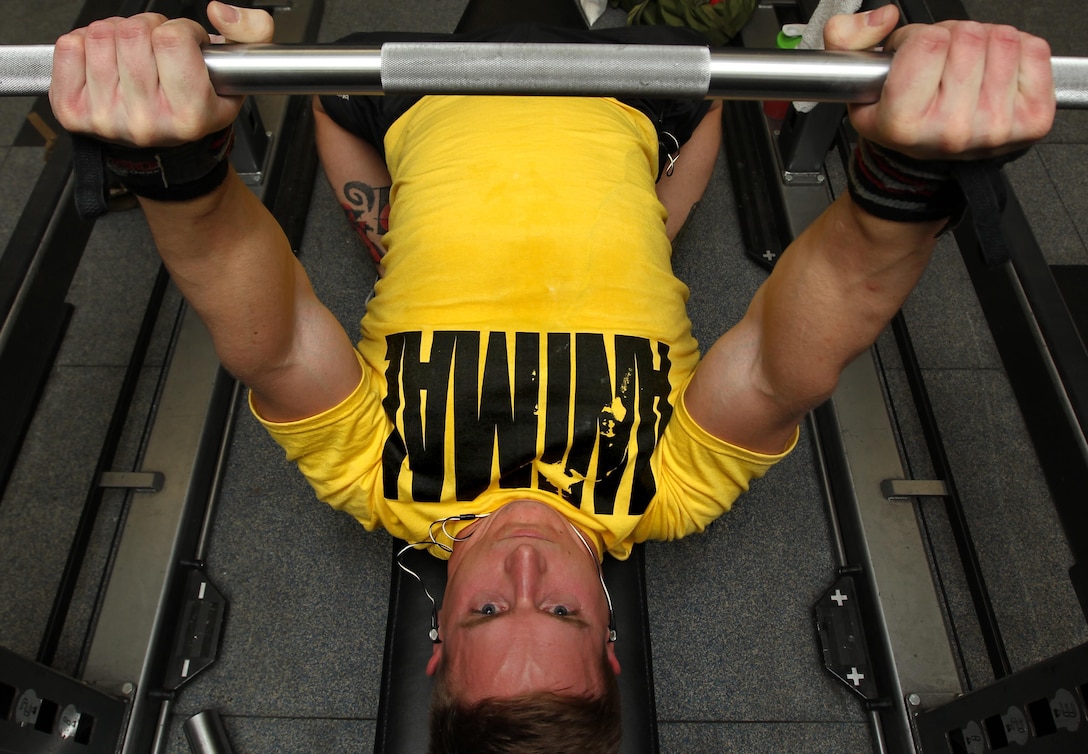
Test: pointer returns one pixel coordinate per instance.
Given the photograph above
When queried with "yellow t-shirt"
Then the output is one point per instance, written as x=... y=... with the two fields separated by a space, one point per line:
x=528 y=338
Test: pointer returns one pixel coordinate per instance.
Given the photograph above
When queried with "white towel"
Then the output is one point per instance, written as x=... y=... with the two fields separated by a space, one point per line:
x=594 y=9
x=813 y=36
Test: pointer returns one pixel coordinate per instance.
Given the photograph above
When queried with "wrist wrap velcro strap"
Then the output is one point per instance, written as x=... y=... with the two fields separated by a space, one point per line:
x=89 y=174
x=895 y=187
x=169 y=174
x=163 y=173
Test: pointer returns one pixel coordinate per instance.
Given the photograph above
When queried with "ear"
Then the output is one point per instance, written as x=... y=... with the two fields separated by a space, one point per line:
x=610 y=652
x=436 y=660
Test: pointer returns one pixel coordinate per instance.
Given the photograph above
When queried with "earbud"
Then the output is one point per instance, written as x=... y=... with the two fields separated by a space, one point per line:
x=600 y=574
x=433 y=633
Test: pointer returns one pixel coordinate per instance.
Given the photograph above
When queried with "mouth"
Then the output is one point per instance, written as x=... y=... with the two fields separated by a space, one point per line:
x=525 y=534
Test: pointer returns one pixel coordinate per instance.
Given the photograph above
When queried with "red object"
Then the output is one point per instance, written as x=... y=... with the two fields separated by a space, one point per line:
x=776 y=109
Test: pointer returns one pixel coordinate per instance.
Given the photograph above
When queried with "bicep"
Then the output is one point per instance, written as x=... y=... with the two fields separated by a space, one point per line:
x=317 y=367
x=732 y=397
x=681 y=189
x=359 y=179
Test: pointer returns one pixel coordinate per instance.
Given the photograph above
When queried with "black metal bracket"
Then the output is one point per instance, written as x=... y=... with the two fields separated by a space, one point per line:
x=43 y=710
x=1042 y=709
x=199 y=630
x=842 y=638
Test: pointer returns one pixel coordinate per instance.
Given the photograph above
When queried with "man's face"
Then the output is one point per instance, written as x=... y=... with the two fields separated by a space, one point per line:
x=524 y=610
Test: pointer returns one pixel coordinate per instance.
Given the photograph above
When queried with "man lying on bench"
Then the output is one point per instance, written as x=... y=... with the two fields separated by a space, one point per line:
x=525 y=396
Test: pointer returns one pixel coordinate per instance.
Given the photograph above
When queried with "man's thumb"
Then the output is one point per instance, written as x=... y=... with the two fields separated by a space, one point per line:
x=860 y=31
x=243 y=25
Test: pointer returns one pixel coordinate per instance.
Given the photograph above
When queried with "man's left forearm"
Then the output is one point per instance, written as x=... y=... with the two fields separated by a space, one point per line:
x=831 y=294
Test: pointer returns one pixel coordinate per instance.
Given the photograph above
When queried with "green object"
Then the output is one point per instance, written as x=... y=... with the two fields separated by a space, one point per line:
x=719 y=22
x=786 y=42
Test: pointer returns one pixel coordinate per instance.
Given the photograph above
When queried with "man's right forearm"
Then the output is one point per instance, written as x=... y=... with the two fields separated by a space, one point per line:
x=234 y=265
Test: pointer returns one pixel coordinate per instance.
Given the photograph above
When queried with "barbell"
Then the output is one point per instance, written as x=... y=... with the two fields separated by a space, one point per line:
x=556 y=69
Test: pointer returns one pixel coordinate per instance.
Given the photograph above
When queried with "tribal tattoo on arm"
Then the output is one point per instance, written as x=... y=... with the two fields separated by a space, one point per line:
x=367 y=209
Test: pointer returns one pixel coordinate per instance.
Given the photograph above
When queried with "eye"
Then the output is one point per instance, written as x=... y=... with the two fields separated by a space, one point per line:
x=561 y=610
x=488 y=608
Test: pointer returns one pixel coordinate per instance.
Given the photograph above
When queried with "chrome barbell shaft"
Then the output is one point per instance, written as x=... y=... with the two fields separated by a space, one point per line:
x=550 y=69
x=537 y=69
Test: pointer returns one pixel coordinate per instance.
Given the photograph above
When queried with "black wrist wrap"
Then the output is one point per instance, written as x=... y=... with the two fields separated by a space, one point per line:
x=162 y=173
x=169 y=174
x=895 y=187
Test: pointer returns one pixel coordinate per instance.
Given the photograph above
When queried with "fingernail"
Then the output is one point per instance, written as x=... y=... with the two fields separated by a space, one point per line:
x=231 y=14
x=876 y=17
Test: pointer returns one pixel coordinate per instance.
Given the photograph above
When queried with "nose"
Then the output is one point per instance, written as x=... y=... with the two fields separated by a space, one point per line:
x=525 y=565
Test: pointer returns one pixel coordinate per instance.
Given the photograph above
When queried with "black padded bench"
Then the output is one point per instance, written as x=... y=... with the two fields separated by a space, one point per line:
x=406 y=689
